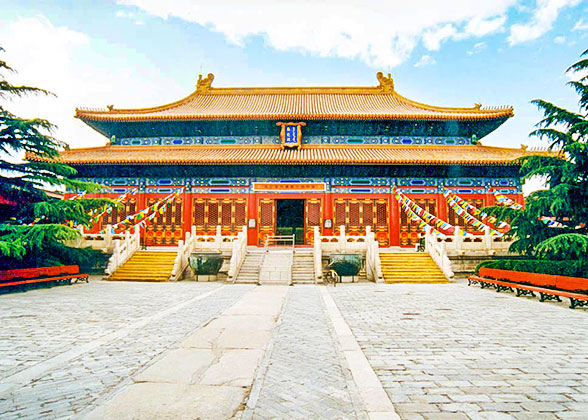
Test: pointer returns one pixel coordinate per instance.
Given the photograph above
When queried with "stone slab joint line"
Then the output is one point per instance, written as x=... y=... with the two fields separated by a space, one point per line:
x=247 y=413
x=37 y=371
x=375 y=398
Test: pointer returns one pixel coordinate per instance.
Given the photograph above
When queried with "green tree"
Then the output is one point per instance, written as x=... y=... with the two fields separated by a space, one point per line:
x=32 y=230
x=565 y=172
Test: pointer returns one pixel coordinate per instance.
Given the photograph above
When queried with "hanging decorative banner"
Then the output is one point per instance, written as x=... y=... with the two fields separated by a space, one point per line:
x=479 y=220
x=140 y=219
x=430 y=219
x=505 y=201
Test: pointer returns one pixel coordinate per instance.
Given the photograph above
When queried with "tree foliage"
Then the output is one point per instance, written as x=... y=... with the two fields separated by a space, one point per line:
x=32 y=225
x=565 y=173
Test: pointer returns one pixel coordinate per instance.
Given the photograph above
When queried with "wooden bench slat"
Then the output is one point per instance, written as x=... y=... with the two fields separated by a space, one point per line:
x=16 y=283
x=576 y=299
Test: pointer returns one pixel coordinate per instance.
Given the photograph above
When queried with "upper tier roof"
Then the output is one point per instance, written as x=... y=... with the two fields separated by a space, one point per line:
x=308 y=155
x=380 y=102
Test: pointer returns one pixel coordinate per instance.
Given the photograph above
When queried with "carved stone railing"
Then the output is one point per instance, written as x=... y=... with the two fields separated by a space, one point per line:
x=486 y=244
x=343 y=242
x=122 y=251
x=238 y=252
x=373 y=265
x=101 y=241
x=217 y=242
x=317 y=253
x=185 y=248
x=438 y=253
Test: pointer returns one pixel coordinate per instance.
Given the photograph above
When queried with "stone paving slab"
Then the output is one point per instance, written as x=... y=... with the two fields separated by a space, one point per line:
x=72 y=387
x=453 y=351
x=189 y=381
x=172 y=402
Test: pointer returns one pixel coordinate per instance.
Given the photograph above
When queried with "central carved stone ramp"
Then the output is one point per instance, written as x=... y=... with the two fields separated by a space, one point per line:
x=276 y=268
x=249 y=272
x=303 y=268
x=410 y=267
x=146 y=266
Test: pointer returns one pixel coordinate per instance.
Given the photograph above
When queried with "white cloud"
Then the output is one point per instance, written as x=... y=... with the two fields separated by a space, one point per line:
x=432 y=39
x=559 y=39
x=481 y=27
x=541 y=22
x=477 y=48
x=426 y=60
x=382 y=33
x=581 y=25
x=71 y=65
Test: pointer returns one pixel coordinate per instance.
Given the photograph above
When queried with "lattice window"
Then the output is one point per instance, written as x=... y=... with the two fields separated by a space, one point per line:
x=199 y=211
x=226 y=210
x=382 y=213
x=212 y=219
x=340 y=214
x=266 y=214
x=240 y=213
x=368 y=213
x=354 y=214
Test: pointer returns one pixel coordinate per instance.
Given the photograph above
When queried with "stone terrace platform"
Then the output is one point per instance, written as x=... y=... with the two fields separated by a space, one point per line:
x=208 y=350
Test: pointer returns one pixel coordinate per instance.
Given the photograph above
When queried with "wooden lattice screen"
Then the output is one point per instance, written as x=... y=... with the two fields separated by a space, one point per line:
x=208 y=213
x=409 y=230
x=118 y=215
x=356 y=214
x=166 y=228
x=454 y=219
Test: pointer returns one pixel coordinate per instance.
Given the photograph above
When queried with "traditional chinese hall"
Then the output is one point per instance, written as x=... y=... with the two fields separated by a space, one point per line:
x=284 y=160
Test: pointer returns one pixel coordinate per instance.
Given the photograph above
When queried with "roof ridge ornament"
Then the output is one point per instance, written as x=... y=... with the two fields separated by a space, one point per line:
x=386 y=83
x=204 y=84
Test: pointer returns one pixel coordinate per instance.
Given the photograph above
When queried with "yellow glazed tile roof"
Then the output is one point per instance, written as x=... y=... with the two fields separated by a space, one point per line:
x=307 y=155
x=303 y=103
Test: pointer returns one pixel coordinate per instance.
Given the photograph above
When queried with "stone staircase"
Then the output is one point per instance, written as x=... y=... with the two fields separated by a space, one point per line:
x=410 y=267
x=303 y=268
x=146 y=266
x=249 y=272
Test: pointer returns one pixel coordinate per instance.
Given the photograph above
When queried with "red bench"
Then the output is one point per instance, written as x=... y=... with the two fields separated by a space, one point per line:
x=549 y=286
x=62 y=274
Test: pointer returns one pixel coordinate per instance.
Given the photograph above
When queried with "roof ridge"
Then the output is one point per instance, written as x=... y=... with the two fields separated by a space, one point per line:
x=204 y=89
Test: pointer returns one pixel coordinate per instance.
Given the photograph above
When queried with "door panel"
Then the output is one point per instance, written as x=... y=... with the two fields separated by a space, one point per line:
x=266 y=219
x=313 y=216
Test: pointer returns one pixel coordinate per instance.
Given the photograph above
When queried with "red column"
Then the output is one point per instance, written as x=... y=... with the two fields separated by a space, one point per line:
x=187 y=210
x=328 y=212
x=442 y=207
x=394 y=222
x=252 y=214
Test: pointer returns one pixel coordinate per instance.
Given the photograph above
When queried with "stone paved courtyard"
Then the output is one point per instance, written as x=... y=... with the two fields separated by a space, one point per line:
x=439 y=351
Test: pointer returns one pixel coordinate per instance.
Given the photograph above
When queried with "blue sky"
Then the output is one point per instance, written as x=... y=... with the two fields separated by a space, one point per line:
x=136 y=53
